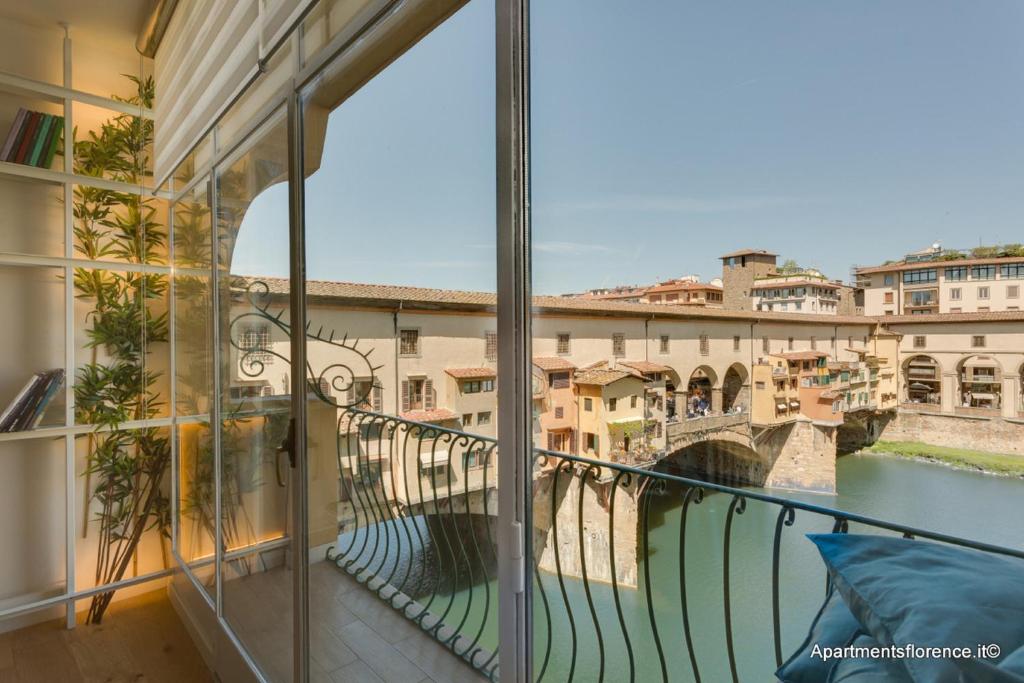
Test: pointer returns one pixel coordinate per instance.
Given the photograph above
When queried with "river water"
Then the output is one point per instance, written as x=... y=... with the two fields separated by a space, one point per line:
x=918 y=494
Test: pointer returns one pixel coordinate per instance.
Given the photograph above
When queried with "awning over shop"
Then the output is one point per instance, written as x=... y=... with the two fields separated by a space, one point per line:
x=434 y=459
x=625 y=420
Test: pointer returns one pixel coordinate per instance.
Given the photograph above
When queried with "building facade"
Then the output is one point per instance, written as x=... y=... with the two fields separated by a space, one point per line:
x=943 y=286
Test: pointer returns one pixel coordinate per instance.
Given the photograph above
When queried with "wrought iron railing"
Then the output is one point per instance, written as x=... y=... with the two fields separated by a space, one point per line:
x=638 y=575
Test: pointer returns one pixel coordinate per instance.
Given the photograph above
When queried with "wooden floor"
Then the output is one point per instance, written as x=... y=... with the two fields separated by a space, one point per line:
x=140 y=639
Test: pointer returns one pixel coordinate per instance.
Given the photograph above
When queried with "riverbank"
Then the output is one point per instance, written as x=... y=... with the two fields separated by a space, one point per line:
x=959 y=458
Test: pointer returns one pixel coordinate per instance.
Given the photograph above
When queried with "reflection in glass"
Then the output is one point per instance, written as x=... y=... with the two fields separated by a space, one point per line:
x=255 y=386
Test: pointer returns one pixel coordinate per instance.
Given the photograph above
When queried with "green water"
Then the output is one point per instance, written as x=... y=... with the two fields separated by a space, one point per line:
x=917 y=494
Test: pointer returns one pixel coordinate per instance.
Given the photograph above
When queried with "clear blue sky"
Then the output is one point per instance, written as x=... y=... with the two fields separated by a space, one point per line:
x=667 y=133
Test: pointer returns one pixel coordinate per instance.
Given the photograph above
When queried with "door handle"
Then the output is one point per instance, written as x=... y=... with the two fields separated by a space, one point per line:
x=287 y=446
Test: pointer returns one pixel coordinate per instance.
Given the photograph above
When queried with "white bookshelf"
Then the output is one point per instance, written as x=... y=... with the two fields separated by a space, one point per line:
x=64 y=178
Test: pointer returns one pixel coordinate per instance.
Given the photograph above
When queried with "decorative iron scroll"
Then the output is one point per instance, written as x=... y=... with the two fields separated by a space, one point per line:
x=341 y=376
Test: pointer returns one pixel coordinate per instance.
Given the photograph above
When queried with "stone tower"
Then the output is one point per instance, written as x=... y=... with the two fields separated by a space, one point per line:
x=739 y=270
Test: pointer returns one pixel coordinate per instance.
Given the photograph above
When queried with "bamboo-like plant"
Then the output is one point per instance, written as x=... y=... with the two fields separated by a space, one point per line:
x=126 y=469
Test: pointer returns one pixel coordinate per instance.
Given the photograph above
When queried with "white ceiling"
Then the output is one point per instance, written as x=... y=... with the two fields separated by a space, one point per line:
x=118 y=20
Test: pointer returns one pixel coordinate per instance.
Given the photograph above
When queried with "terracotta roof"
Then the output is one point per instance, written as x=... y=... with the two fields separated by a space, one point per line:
x=645 y=366
x=549 y=363
x=627 y=293
x=435 y=415
x=801 y=355
x=471 y=373
x=984 y=316
x=602 y=376
x=679 y=286
x=749 y=252
x=941 y=264
x=419 y=298
x=765 y=284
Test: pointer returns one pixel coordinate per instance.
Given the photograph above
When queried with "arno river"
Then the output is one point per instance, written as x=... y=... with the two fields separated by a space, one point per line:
x=918 y=494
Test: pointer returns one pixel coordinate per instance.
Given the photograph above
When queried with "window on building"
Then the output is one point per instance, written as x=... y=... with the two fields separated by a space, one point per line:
x=588 y=404
x=705 y=345
x=1012 y=291
x=955 y=294
x=1012 y=271
x=255 y=345
x=956 y=273
x=736 y=342
x=559 y=380
x=562 y=347
x=664 y=344
x=417 y=394
x=613 y=404
x=982 y=292
x=491 y=346
x=474 y=459
x=914 y=277
x=919 y=341
x=956 y=309
x=888 y=298
x=789 y=344
x=483 y=418
x=978 y=341
x=409 y=342
x=467 y=419
x=618 y=345
x=632 y=401
x=759 y=385
x=888 y=280
x=590 y=441
x=559 y=412
x=983 y=272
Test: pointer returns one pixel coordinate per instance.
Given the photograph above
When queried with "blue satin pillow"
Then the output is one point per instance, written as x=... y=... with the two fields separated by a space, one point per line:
x=907 y=592
x=834 y=626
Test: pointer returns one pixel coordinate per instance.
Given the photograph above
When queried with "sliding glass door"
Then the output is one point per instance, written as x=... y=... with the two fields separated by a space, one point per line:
x=401 y=347
x=255 y=385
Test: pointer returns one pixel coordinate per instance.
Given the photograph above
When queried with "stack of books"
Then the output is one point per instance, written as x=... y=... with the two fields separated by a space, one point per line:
x=32 y=139
x=28 y=407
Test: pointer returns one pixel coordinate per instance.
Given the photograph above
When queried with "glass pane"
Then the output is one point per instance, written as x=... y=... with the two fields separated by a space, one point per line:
x=32 y=497
x=35 y=128
x=256 y=383
x=403 y=361
x=114 y=145
x=122 y=516
x=193 y=344
x=702 y=183
x=36 y=203
x=32 y=371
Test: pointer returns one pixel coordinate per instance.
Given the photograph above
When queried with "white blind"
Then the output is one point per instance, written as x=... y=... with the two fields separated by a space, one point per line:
x=210 y=49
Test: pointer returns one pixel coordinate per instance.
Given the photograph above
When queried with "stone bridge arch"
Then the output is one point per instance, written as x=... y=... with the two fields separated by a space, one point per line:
x=723 y=459
x=736 y=389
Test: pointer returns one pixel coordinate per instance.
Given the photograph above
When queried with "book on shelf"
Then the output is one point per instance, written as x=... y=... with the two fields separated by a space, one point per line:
x=28 y=407
x=32 y=139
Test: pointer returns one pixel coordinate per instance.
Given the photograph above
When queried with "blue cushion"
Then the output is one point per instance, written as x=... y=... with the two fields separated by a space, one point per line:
x=1009 y=670
x=907 y=592
x=866 y=670
x=834 y=626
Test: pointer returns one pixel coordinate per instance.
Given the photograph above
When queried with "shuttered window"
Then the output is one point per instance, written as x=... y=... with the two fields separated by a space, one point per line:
x=491 y=346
